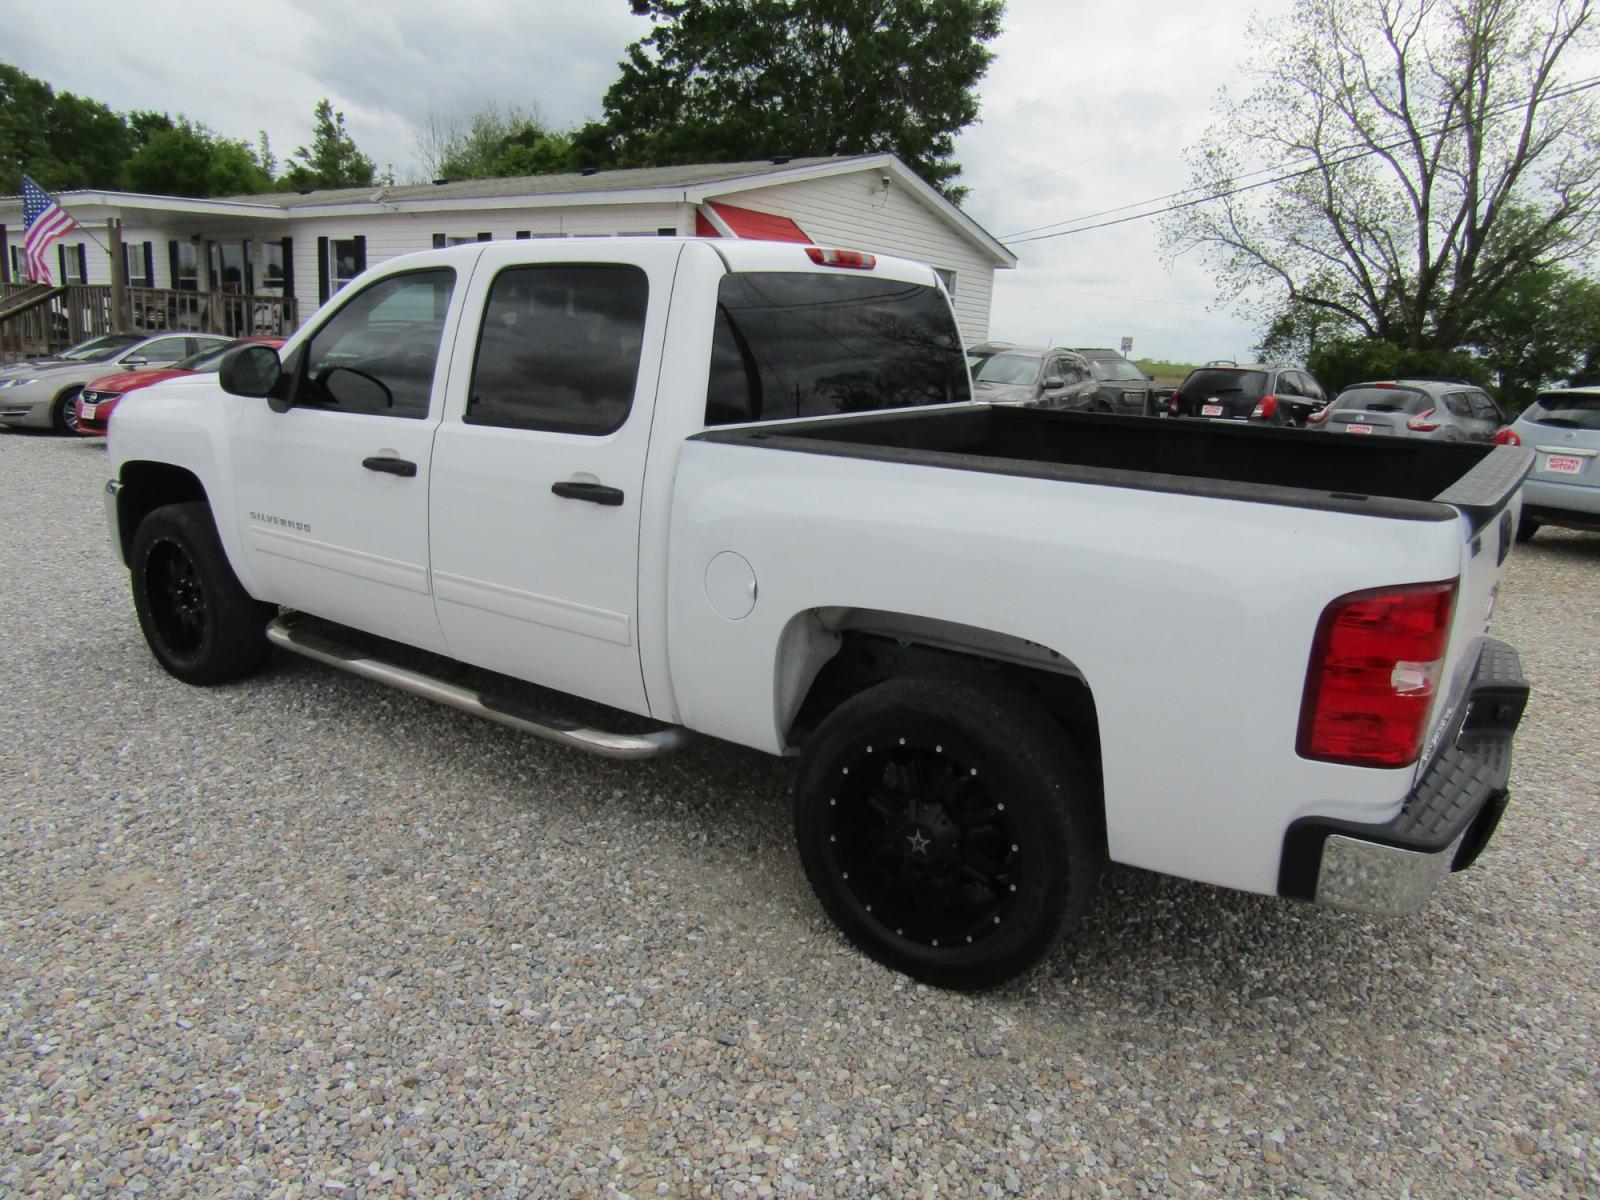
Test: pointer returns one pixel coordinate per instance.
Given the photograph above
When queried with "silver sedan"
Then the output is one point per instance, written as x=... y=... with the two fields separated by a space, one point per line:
x=44 y=393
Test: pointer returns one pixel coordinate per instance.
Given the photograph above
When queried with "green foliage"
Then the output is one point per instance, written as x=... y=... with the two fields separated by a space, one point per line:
x=732 y=80
x=61 y=140
x=1342 y=361
x=332 y=160
x=1429 y=152
x=1543 y=329
x=495 y=145
x=187 y=159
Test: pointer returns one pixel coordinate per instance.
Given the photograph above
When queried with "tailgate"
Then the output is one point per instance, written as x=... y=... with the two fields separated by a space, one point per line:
x=1488 y=498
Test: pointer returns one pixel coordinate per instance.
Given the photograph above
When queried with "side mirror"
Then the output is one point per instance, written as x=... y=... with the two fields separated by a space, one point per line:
x=136 y=362
x=1054 y=383
x=251 y=371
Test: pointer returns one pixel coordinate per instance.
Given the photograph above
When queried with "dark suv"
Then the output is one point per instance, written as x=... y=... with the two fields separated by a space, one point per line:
x=1266 y=393
x=1441 y=410
x=1122 y=385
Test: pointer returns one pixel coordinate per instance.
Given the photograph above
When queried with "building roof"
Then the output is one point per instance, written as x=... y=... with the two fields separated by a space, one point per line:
x=572 y=183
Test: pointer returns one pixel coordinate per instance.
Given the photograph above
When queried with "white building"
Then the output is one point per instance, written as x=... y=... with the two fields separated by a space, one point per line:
x=307 y=245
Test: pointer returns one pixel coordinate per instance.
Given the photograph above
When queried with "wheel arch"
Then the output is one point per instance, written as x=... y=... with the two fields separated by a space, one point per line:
x=827 y=655
x=147 y=486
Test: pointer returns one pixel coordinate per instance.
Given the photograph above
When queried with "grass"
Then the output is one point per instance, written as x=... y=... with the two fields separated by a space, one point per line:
x=1168 y=374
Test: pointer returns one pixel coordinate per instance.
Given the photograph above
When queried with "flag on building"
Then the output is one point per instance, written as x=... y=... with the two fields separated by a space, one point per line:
x=47 y=223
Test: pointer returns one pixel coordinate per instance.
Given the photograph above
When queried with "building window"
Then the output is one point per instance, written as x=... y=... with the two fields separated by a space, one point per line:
x=19 y=265
x=272 y=272
x=74 y=268
x=136 y=264
x=185 y=266
x=346 y=259
x=946 y=277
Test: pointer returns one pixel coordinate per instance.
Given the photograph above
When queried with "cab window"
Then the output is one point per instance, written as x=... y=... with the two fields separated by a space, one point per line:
x=377 y=354
x=560 y=348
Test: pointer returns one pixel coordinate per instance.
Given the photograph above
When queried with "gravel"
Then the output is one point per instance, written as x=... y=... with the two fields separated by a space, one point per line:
x=308 y=937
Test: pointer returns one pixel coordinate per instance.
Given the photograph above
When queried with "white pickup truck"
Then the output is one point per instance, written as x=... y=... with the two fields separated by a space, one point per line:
x=741 y=489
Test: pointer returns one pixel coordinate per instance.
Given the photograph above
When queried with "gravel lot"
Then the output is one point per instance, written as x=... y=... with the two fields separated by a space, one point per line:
x=307 y=936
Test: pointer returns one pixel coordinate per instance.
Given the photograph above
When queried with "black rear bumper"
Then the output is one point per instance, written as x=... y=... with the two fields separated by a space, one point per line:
x=1445 y=822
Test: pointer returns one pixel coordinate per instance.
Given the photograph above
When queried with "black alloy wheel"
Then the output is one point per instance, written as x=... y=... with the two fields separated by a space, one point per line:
x=200 y=623
x=943 y=824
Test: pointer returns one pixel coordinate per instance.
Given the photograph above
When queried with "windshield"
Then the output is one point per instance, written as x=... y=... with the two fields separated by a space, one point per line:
x=1378 y=399
x=103 y=346
x=1210 y=381
x=1115 y=368
x=211 y=359
x=1009 y=368
x=1566 y=411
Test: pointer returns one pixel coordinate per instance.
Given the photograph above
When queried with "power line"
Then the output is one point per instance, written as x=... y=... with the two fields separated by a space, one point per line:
x=1351 y=154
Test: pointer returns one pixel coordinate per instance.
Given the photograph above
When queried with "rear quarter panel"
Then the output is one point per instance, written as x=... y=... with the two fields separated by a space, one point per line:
x=1190 y=618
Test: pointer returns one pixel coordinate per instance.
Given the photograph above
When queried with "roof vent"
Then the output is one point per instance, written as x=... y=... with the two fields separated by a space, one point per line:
x=781 y=159
x=440 y=182
x=590 y=171
x=304 y=192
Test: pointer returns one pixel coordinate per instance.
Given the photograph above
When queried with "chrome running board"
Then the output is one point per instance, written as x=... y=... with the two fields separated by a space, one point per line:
x=318 y=640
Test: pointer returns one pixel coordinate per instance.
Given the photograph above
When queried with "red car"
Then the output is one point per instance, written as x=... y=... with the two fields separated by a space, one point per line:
x=97 y=400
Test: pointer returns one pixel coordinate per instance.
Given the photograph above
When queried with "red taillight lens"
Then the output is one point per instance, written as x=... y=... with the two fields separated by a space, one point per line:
x=1374 y=670
x=1267 y=406
x=1172 y=404
x=1421 y=423
x=1321 y=415
x=1506 y=436
x=854 y=259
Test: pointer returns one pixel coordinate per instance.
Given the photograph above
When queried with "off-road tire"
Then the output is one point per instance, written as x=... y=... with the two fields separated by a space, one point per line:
x=948 y=828
x=200 y=623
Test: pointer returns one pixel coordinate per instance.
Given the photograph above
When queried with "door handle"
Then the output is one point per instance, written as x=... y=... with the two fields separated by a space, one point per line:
x=389 y=465
x=594 y=493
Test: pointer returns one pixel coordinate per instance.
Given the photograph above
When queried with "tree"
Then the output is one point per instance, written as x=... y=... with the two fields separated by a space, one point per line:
x=332 y=161
x=188 y=159
x=492 y=145
x=1544 y=328
x=1420 y=156
x=729 y=80
x=61 y=140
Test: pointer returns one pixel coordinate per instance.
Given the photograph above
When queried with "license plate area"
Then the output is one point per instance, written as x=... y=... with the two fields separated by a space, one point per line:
x=1563 y=464
x=1359 y=427
x=86 y=412
x=1212 y=410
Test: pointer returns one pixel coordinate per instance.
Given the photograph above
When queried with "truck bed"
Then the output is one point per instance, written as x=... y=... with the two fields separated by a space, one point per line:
x=1402 y=478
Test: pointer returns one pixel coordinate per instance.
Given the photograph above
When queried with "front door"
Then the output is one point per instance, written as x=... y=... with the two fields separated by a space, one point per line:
x=539 y=465
x=332 y=495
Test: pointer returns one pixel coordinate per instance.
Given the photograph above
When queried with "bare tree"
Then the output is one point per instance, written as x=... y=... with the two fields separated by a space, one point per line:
x=1397 y=163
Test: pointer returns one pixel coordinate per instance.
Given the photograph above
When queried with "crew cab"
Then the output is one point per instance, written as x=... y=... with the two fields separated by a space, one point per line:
x=742 y=490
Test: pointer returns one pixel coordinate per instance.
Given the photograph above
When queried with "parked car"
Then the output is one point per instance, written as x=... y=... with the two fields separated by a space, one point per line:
x=46 y=395
x=982 y=353
x=1563 y=429
x=1441 y=410
x=1266 y=393
x=1123 y=385
x=96 y=349
x=100 y=397
x=1035 y=376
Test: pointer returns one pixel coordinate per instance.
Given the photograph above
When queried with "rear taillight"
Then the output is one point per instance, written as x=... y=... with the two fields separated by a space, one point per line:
x=854 y=259
x=1267 y=406
x=1375 y=666
x=1172 y=404
x=1321 y=415
x=1506 y=436
x=1421 y=423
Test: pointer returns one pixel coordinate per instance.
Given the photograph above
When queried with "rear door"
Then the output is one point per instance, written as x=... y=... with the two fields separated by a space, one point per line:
x=538 y=468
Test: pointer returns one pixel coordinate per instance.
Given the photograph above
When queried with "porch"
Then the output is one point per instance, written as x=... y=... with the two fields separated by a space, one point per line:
x=55 y=318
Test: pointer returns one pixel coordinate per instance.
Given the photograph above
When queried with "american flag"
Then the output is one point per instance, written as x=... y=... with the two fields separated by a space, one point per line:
x=47 y=223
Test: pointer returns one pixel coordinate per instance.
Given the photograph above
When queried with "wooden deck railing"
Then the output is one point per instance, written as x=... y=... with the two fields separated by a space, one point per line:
x=83 y=311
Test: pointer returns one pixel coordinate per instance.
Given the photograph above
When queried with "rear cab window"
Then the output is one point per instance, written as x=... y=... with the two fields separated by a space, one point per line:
x=794 y=344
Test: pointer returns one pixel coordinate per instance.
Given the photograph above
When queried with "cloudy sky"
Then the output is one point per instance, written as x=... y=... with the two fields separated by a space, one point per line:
x=1087 y=107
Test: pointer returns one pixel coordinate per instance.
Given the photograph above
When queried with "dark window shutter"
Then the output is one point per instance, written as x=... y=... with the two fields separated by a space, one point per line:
x=322 y=270
x=61 y=256
x=83 y=262
x=149 y=264
x=361 y=253
x=172 y=265
x=439 y=242
x=666 y=231
x=288 y=268
x=5 y=257
x=486 y=237
x=523 y=235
